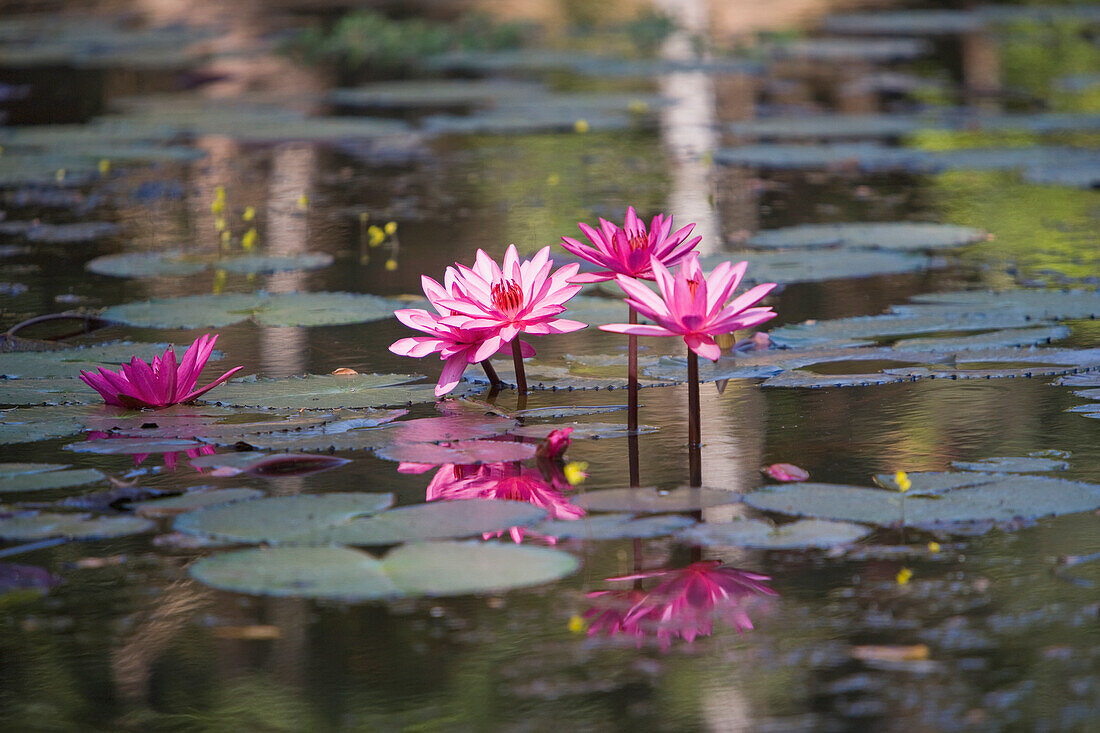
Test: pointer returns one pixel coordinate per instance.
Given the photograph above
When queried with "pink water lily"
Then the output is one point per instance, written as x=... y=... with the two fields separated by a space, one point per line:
x=160 y=384
x=693 y=305
x=627 y=250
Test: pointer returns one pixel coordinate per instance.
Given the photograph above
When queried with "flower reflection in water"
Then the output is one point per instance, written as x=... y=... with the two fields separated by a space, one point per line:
x=684 y=604
x=171 y=458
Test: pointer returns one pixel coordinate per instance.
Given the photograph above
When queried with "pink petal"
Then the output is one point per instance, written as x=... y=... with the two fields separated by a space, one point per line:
x=786 y=472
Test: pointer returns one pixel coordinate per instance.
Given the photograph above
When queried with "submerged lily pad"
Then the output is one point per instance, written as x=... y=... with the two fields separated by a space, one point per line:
x=340 y=573
x=33 y=525
x=304 y=519
x=614 y=526
x=70 y=362
x=1001 y=501
x=193 y=500
x=43 y=476
x=800 y=535
x=1026 y=464
x=323 y=392
x=276 y=309
x=465 y=452
x=655 y=501
x=891 y=236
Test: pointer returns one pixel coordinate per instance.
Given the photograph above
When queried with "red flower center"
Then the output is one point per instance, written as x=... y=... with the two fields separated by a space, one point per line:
x=507 y=296
x=639 y=241
x=693 y=284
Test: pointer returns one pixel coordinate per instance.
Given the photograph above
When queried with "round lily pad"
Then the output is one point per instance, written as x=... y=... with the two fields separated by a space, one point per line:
x=891 y=236
x=305 y=519
x=556 y=413
x=267 y=264
x=801 y=535
x=581 y=430
x=46 y=392
x=323 y=391
x=22 y=526
x=340 y=573
x=44 y=476
x=434 y=93
x=30 y=424
x=614 y=527
x=989 y=340
x=466 y=452
x=821 y=265
x=655 y=501
x=277 y=309
x=146 y=264
x=436 y=521
x=193 y=500
x=70 y=362
x=1025 y=464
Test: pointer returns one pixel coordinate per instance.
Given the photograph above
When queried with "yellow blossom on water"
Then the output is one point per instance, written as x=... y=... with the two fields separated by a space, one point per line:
x=553 y=179
x=218 y=207
x=933 y=547
x=904 y=575
x=377 y=236
x=638 y=106
x=576 y=624
x=581 y=126
x=902 y=480
x=104 y=166
x=303 y=202
x=219 y=223
x=249 y=238
x=364 y=217
x=219 y=281
x=391 y=228
x=391 y=264
x=60 y=175
x=249 y=213
x=575 y=472
x=225 y=238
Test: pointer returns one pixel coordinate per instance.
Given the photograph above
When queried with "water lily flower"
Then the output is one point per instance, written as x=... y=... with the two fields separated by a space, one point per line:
x=627 y=250
x=553 y=447
x=140 y=385
x=693 y=305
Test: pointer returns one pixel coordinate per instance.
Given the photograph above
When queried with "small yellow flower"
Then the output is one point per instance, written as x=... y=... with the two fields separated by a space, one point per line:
x=581 y=126
x=219 y=281
x=933 y=547
x=391 y=264
x=249 y=213
x=575 y=472
x=391 y=228
x=218 y=207
x=553 y=179
x=219 y=223
x=248 y=241
x=303 y=202
x=903 y=482
x=104 y=166
x=576 y=624
x=60 y=175
x=638 y=106
x=904 y=575
x=377 y=236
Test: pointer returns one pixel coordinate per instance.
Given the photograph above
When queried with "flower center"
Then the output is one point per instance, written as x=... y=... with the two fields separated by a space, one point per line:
x=507 y=296
x=638 y=241
x=693 y=284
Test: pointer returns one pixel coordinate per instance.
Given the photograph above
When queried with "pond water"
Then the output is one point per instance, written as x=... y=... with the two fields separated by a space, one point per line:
x=968 y=602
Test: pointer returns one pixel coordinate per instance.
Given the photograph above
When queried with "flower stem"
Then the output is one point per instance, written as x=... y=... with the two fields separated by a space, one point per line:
x=517 y=360
x=694 y=439
x=491 y=373
x=632 y=403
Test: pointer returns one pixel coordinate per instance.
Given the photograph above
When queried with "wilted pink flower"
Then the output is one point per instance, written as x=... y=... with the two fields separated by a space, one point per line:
x=692 y=305
x=457 y=346
x=785 y=472
x=139 y=385
x=509 y=299
x=686 y=602
x=627 y=250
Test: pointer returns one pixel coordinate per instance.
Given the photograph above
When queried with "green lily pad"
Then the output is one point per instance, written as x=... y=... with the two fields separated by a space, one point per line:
x=891 y=236
x=305 y=519
x=581 y=430
x=861 y=330
x=834 y=127
x=801 y=535
x=323 y=392
x=434 y=93
x=655 y=501
x=193 y=500
x=821 y=265
x=614 y=527
x=133 y=446
x=28 y=425
x=556 y=413
x=340 y=573
x=43 y=476
x=178 y=264
x=1027 y=464
x=268 y=264
x=992 y=339
x=849 y=49
x=935 y=482
x=549 y=112
x=1002 y=501
x=73 y=233
x=465 y=452
x=70 y=362
x=278 y=309
x=1036 y=304
x=436 y=521
x=23 y=526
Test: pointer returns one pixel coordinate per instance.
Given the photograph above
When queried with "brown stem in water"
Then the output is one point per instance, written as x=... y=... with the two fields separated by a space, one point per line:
x=491 y=373
x=517 y=360
x=632 y=403
x=694 y=439
x=89 y=320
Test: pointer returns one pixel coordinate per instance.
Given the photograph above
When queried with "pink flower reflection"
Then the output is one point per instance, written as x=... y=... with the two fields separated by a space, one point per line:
x=683 y=605
x=171 y=460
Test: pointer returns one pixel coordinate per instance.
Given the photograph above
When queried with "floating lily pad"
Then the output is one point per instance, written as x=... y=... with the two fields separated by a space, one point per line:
x=655 y=501
x=556 y=413
x=549 y=112
x=431 y=568
x=70 y=362
x=862 y=330
x=33 y=525
x=301 y=519
x=436 y=521
x=537 y=60
x=581 y=430
x=1001 y=501
x=992 y=339
x=829 y=126
x=193 y=500
x=146 y=264
x=43 y=476
x=891 y=236
x=133 y=446
x=821 y=265
x=322 y=392
x=434 y=93
x=845 y=49
x=27 y=425
x=614 y=527
x=1027 y=464
x=935 y=482
x=277 y=309
x=74 y=233
x=267 y=264
x=801 y=535
x=462 y=452
x=1036 y=304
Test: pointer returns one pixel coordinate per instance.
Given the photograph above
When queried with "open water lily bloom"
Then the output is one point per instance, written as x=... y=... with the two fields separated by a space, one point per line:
x=517 y=296
x=457 y=346
x=693 y=305
x=160 y=384
x=627 y=250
